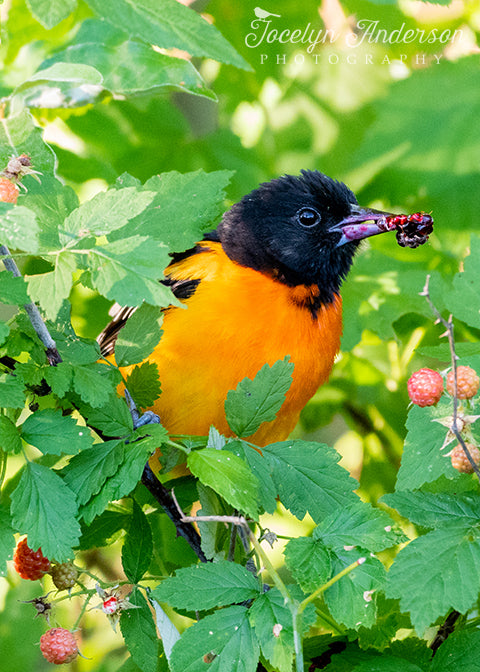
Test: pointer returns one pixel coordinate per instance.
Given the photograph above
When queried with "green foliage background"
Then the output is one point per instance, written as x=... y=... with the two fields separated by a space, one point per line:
x=400 y=128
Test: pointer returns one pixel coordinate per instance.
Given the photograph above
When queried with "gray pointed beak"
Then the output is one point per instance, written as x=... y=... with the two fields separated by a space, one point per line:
x=362 y=223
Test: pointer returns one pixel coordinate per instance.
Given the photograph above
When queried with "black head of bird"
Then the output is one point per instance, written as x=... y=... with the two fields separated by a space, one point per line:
x=304 y=230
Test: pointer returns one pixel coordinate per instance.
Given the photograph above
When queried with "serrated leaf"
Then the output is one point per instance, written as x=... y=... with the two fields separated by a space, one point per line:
x=227 y=635
x=130 y=67
x=269 y=610
x=139 y=336
x=433 y=510
x=52 y=202
x=259 y=400
x=308 y=478
x=12 y=391
x=185 y=206
x=137 y=548
x=95 y=383
x=59 y=378
x=87 y=472
x=44 y=508
x=358 y=524
x=9 y=436
x=13 y=290
x=228 y=475
x=169 y=25
x=208 y=585
x=309 y=562
x=144 y=385
x=105 y=212
x=18 y=228
x=422 y=459
x=7 y=540
x=55 y=434
x=352 y=599
x=429 y=589
x=128 y=271
x=49 y=290
x=458 y=652
x=139 y=633
x=260 y=467
x=122 y=482
x=387 y=664
x=112 y=419
x=51 y=12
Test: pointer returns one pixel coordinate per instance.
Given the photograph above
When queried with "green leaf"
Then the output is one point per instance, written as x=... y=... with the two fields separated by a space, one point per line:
x=106 y=212
x=167 y=630
x=87 y=472
x=18 y=134
x=309 y=562
x=13 y=290
x=44 y=508
x=12 y=391
x=112 y=419
x=59 y=378
x=227 y=635
x=463 y=298
x=128 y=271
x=123 y=481
x=169 y=25
x=144 y=385
x=50 y=289
x=352 y=599
x=458 y=652
x=139 y=336
x=429 y=589
x=4 y=331
x=269 y=610
x=260 y=467
x=258 y=400
x=104 y=530
x=77 y=73
x=132 y=67
x=9 y=436
x=95 y=383
x=358 y=524
x=51 y=12
x=433 y=510
x=55 y=434
x=308 y=478
x=206 y=586
x=7 y=540
x=18 y=227
x=185 y=206
x=139 y=633
x=137 y=548
x=52 y=202
x=228 y=475
x=388 y=664
x=422 y=459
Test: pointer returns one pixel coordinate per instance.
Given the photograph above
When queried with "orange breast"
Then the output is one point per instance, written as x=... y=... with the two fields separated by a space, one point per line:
x=236 y=321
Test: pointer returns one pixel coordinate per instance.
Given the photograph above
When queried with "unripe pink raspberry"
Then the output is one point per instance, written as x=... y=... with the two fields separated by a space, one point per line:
x=467 y=382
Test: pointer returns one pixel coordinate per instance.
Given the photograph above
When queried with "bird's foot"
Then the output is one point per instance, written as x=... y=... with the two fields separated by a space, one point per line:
x=140 y=419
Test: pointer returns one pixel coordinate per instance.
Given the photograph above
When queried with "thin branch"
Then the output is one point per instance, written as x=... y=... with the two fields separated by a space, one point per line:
x=53 y=356
x=448 y=324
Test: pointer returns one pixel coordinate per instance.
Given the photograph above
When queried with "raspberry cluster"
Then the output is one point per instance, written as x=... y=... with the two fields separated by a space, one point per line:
x=30 y=564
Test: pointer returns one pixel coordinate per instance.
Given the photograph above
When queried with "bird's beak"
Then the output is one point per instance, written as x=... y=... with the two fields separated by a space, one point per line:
x=362 y=223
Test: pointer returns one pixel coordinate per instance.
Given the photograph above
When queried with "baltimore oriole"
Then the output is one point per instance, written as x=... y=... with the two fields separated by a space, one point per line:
x=264 y=285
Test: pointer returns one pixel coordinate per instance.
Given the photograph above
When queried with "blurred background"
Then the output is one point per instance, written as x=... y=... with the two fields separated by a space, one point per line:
x=392 y=113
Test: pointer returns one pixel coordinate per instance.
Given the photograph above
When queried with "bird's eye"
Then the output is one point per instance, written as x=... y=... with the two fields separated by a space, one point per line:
x=308 y=217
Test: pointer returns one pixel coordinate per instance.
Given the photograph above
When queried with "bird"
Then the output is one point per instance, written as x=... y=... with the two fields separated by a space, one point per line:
x=263 y=286
x=263 y=15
